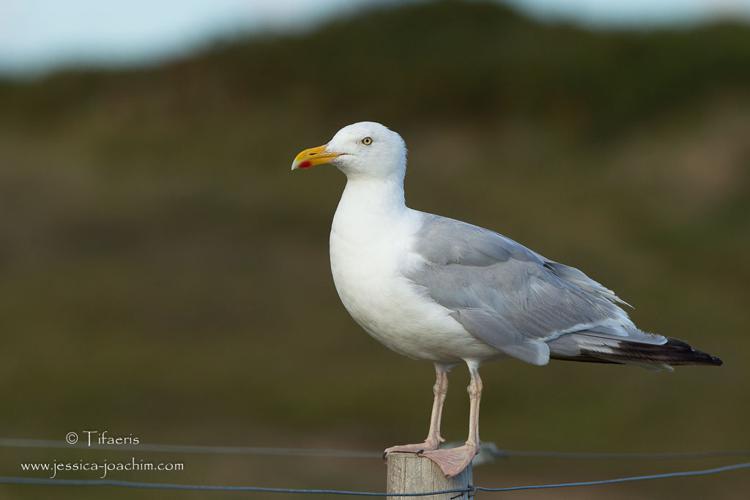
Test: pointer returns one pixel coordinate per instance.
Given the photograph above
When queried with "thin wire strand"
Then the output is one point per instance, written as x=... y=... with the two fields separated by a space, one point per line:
x=198 y=449
x=594 y=455
x=258 y=489
x=340 y=453
x=600 y=482
x=209 y=487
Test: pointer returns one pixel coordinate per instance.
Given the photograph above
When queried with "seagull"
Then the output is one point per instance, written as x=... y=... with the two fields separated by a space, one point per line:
x=441 y=290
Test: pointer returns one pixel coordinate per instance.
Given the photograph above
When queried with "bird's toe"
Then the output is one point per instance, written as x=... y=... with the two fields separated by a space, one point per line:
x=417 y=448
x=452 y=461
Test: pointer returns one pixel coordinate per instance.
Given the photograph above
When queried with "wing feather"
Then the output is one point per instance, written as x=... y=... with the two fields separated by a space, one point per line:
x=509 y=296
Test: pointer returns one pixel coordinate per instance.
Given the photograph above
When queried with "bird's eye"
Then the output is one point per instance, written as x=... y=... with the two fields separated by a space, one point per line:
x=367 y=141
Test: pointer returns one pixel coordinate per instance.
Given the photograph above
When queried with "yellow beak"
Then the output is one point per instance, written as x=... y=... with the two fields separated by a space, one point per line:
x=313 y=157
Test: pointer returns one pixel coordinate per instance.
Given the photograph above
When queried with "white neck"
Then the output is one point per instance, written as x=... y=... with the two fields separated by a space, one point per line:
x=375 y=193
x=369 y=205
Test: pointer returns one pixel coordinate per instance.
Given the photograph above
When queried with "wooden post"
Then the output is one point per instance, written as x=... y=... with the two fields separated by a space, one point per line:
x=409 y=473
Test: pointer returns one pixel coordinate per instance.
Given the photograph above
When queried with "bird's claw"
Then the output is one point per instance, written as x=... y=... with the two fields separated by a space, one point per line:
x=418 y=448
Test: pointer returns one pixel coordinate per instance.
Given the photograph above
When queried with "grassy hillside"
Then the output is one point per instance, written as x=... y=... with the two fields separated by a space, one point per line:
x=164 y=274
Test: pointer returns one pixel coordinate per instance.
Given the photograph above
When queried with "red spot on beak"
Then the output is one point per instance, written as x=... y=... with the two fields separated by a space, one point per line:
x=304 y=164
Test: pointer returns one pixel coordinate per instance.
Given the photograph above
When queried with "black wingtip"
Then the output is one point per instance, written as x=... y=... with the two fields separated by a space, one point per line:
x=683 y=353
x=674 y=352
x=715 y=361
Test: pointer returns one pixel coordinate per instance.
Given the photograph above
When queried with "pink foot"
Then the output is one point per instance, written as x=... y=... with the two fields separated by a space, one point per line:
x=452 y=461
x=428 y=445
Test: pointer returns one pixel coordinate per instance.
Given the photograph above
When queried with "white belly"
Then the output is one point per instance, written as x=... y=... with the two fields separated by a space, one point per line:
x=388 y=306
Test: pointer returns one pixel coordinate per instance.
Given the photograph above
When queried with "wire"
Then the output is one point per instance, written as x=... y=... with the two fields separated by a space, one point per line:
x=257 y=489
x=490 y=448
x=593 y=455
x=198 y=449
x=208 y=487
x=666 y=475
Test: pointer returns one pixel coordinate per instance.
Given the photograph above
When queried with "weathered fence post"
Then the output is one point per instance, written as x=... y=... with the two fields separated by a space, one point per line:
x=409 y=473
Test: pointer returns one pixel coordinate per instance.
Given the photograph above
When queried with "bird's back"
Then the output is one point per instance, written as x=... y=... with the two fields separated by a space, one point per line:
x=530 y=307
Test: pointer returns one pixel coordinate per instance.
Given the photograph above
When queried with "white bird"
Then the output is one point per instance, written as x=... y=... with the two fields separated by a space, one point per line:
x=441 y=290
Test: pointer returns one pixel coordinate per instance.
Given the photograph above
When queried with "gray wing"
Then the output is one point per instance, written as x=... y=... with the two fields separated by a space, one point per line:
x=512 y=298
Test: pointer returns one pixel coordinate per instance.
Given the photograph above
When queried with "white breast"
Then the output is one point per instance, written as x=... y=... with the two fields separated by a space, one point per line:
x=369 y=249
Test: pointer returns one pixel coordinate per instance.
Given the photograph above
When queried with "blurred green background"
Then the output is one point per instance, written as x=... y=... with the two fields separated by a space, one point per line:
x=164 y=275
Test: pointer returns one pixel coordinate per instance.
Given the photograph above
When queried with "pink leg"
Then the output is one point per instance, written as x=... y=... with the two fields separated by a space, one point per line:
x=453 y=461
x=440 y=389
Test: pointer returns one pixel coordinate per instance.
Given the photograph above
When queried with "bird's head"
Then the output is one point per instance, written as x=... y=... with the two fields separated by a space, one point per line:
x=360 y=149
